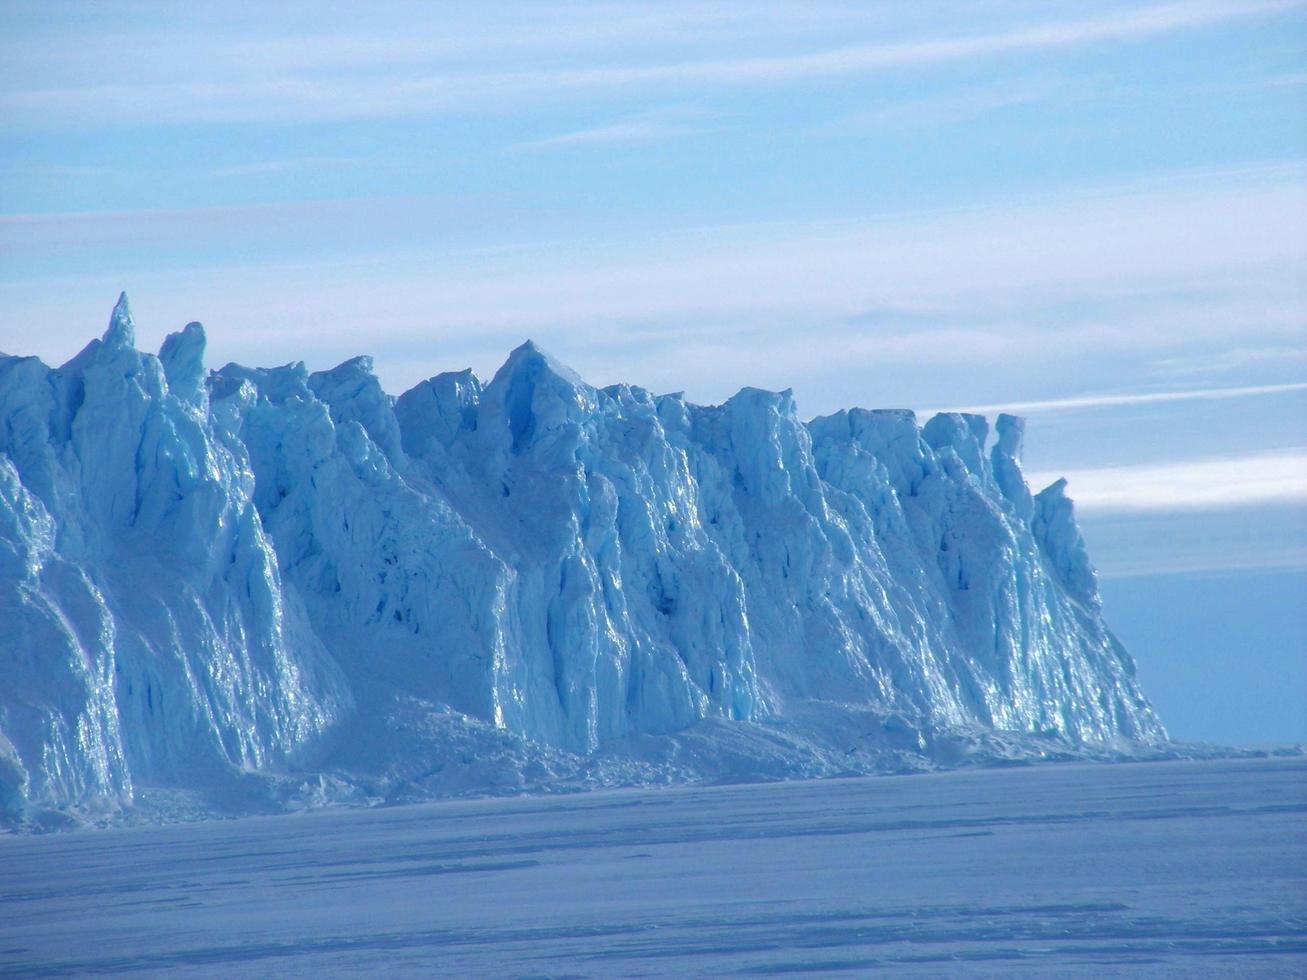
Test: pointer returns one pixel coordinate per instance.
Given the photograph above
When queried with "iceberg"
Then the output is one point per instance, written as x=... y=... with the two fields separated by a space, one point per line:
x=271 y=587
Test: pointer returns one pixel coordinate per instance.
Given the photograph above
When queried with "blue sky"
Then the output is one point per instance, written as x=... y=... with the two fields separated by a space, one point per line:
x=1094 y=211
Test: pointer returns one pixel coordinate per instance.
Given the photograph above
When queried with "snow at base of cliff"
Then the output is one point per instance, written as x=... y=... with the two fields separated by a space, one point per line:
x=266 y=587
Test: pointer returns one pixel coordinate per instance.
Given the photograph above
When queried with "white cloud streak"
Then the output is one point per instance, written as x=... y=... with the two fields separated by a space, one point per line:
x=641 y=129
x=1140 y=398
x=1229 y=359
x=955 y=105
x=1282 y=559
x=419 y=90
x=262 y=168
x=1117 y=26
x=1200 y=484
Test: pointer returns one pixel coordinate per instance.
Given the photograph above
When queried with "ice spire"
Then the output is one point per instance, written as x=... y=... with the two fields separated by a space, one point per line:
x=182 y=356
x=1006 y=461
x=1055 y=529
x=122 y=328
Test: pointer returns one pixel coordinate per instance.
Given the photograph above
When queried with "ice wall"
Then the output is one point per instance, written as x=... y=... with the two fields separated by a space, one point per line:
x=209 y=576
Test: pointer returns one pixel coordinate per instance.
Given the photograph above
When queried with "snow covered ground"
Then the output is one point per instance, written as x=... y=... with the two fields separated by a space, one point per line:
x=1168 y=868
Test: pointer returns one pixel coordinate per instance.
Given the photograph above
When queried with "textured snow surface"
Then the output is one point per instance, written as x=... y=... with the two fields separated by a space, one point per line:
x=279 y=588
x=1177 y=869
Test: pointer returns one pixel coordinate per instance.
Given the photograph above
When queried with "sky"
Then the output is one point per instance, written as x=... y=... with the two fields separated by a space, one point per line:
x=1093 y=214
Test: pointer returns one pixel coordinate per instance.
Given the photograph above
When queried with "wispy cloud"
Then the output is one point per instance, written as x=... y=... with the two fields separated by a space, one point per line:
x=1114 y=26
x=1138 y=398
x=653 y=126
x=955 y=105
x=1128 y=273
x=1199 y=484
x=1224 y=560
x=58 y=170
x=1232 y=359
x=263 y=168
x=1293 y=79
x=309 y=38
x=421 y=87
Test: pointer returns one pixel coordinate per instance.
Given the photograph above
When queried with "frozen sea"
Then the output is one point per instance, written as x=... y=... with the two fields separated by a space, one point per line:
x=1157 y=869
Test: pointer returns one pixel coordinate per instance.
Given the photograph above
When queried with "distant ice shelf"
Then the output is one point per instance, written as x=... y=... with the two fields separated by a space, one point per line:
x=269 y=588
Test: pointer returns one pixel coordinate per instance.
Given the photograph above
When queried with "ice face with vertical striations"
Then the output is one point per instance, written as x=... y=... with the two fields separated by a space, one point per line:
x=258 y=573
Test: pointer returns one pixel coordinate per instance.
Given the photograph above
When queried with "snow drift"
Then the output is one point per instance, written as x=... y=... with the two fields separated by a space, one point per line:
x=273 y=586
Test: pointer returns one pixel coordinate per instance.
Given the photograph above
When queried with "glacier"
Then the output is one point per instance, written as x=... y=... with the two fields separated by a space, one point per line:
x=265 y=588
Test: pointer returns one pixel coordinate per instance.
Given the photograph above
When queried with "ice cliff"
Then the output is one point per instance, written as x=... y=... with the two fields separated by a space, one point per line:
x=257 y=577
